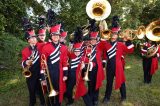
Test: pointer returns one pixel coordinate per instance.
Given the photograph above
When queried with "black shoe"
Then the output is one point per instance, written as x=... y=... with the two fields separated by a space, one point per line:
x=95 y=103
x=31 y=104
x=105 y=100
x=123 y=99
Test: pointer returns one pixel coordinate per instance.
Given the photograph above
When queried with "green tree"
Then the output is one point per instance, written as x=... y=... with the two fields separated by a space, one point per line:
x=150 y=13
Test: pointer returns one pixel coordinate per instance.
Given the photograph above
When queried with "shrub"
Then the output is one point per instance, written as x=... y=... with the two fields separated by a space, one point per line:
x=10 y=52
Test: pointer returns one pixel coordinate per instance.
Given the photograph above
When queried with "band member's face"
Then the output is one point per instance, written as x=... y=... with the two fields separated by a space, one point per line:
x=93 y=41
x=42 y=37
x=55 y=38
x=114 y=37
x=32 y=41
x=62 y=39
x=86 y=42
x=77 y=53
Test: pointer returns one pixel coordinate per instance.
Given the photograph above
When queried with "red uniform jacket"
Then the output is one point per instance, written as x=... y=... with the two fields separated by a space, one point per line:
x=26 y=53
x=40 y=45
x=121 y=49
x=49 y=49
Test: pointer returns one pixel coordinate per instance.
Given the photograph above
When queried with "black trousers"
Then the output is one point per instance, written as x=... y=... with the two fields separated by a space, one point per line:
x=146 y=69
x=53 y=101
x=110 y=77
x=70 y=86
x=93 y=93
x=34 y=88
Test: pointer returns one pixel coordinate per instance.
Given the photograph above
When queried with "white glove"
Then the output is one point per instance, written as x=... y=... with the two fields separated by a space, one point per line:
x=28 y=62
x=82 y=65
x=91 y=66
x=65 y=78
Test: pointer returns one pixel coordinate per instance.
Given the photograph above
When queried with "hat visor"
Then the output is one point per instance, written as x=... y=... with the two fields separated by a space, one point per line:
x=54 y=34
x=41 y=34
x=93 y=38
x=77 y=50
x=32 y=36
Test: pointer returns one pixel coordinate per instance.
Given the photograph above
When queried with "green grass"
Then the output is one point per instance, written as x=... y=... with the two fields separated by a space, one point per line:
x=13 y=89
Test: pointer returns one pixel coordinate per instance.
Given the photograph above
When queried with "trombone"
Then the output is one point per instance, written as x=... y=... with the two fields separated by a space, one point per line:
x=45 y=67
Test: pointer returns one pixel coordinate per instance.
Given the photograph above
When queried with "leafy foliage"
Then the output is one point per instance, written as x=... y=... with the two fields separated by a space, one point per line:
x=72 y=13
x=10 y=52
x=150 y=13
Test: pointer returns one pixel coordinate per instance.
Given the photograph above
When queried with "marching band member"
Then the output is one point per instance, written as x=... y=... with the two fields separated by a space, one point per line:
x=56 y=56
x=114 y=51
x=96 y=73
x=30 y=58
x=42 y=30
x=75 y=83
x=150 y=64
x=63 y=37
x=42 y=36
x=41 y=33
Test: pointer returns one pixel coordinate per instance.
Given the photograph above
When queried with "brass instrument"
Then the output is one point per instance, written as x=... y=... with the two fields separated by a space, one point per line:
x=26 y=72
x=141 y=32
x=105 y=33
x=153 y=31
x=131 y=34
x=128 y=34
x=88 y=54
x=85 y=29
x=152 y=51
x=45 y=67
x=98 y=9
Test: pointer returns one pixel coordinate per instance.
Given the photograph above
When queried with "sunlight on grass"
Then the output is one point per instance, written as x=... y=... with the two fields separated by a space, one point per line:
x=13 y=88
x=13 y=81
x=126 y=103
x=128 y=67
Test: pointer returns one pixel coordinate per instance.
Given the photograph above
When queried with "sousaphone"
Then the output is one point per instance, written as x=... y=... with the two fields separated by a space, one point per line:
x=98 y=9
x=153 y=31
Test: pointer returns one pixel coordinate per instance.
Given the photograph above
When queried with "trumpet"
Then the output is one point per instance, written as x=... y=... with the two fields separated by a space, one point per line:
x=45 y=67
x=88 y=53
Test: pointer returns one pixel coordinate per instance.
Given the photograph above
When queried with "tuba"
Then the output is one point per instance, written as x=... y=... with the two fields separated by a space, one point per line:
x=153 y=31
x=98 y=9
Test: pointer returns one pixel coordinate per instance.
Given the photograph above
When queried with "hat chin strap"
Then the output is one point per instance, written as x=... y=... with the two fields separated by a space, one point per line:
x=55 y=42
